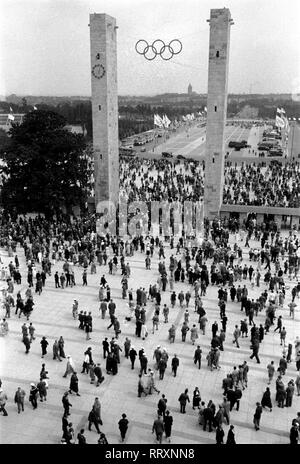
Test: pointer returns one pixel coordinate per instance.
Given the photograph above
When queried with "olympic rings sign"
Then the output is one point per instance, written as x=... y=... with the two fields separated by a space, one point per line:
x=158 y=47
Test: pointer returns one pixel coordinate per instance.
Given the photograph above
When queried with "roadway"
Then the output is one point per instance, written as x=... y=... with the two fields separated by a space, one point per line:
x=190 y=142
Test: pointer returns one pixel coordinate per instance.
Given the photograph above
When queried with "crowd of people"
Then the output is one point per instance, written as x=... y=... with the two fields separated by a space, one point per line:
x=254 y=184
x=220 y=265
x=275 y=185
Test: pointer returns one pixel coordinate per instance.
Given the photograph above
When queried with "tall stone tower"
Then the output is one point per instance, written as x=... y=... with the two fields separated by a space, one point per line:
x=103 y=35
x=220 y=22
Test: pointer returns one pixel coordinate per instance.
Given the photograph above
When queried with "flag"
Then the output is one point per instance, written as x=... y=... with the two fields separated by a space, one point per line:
x=11 y=110
x=35 y=108
x=11 y=117
x=282 y=114
x=167 y=121
x=158 y=121
x=205 y=109
x=279 y=122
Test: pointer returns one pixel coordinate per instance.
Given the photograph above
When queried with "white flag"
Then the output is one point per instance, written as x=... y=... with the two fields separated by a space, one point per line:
x=158 y=121
x=166 y=121
x=279 y=122
x=205 y=109
x=11 y=110
x=11 y=117
x=35 y=108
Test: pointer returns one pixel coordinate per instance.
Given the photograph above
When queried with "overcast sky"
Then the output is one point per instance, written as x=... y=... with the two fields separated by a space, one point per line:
x=45 y=48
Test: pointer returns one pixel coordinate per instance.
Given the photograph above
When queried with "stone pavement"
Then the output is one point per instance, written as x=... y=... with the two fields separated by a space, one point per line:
x=52 y=317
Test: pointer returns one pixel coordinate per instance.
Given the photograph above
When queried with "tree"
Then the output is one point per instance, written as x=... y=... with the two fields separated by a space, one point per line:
x=44 y=165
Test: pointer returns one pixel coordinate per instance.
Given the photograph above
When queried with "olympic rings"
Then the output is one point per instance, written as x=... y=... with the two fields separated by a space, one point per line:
x=166 y=52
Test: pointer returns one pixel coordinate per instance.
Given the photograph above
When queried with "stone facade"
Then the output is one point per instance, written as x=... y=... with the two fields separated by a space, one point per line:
x=103 y=36
x=220 y=22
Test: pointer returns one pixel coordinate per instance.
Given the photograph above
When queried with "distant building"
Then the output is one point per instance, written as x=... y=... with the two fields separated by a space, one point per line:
x=190 y=89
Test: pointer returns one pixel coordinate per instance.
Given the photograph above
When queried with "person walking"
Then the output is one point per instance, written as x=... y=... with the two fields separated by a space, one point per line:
x=70 y=368
x=183 y=399
x=66 y=403
x=257 y=416
x=19 y=399
x=61 y=344
x=84 y=278
x=31 y=330
x=162 y=406
x=105 y=346
x=194 y=334
x=172 y=333
x=33 y=395
x=65 y=429
x=27 y=343
x=290 y=393
x=132 y=356
x=141 y=387
x=92 y=419
x=162 y=365
x=123 y=426
x=231 y=436
x=266 y=399
x=197 y=356
x=294 y=434
x=196 y=398
x=81 y=440
x=168 y=423
x=74 y=384
x=279 y=324
x=175 y=364
x=42 y=388
x=220 y=435
x=255 y=350
x=127 y=345
x=208 y=417
x=271 y=371
x=44 y=345
x=98 y=374
x=236 y=335
x=283 y=336
x=184 y=329
x=55 y=350
x=97 y=410
x=158 y=428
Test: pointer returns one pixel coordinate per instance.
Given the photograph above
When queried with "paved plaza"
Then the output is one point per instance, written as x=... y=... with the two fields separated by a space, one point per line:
x=52 y=317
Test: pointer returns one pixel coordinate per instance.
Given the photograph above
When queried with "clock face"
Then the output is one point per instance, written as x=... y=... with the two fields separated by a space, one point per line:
x=98 y=71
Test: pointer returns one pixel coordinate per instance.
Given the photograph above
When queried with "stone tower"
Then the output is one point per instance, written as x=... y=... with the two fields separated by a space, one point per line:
x=220 y=22
x=103 y=36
